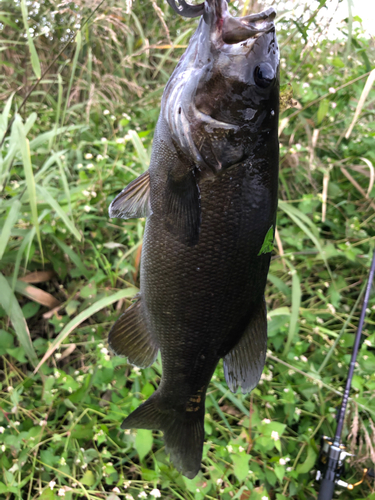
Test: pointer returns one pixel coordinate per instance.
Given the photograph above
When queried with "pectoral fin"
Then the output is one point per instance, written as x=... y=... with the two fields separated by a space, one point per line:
x=134 y=200
x=130 y=337
x=183 y=210
x=243 y=365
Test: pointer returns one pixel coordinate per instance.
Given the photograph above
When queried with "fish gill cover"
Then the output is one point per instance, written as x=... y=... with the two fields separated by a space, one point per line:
x=210 y=198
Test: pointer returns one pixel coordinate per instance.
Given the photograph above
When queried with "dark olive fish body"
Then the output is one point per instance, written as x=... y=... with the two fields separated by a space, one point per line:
x=210 y=195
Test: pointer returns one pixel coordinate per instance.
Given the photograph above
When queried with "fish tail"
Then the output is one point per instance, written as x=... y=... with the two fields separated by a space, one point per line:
x=183 y=432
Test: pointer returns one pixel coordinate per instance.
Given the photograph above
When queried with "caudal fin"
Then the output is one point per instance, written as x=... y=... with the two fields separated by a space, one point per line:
x=183 y=432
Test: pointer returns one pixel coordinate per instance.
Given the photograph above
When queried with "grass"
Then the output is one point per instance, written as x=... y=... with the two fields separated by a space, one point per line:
x=67 y=271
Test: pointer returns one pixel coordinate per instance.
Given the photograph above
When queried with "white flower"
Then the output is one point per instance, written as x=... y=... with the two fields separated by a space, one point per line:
x=305 y=85
x=87 y=208
x=128 y=496
x=104 y=350
x=230 y=448
x=266 y=421
x=155 y=493
x=127 y=484
x=9 y=388
x=368 y=342
x=90 y=166
x=43 y=422
x=99 y=157
x=116 y=490
x=3 y=447
x=282 y=461
x=286 y=389
x=142 y=494
x=241 y=449
x=125 y=115
x=58 y=355
x=62 y=461
x=61 y=492
x=331 y=90
x=289 y=469
x=106 y=112
x=265 y=497
x=303 y=358
x=275 y=435
x=51 y=484
x=2 y=430
x=333 y=105
x=85 y=192
x=56 y=374
x=88 y=156
x=310 y=75
x=120 y=140
x=331 y=308
x=219 y=481
x=104 y=139
x=298 y=411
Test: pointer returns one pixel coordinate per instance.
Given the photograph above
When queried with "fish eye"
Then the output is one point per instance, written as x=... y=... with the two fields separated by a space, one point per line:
x=264 y=75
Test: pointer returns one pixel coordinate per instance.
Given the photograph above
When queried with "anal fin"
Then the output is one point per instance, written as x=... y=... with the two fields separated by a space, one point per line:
x=134 y=200
x=130 y=337
x=243 y=365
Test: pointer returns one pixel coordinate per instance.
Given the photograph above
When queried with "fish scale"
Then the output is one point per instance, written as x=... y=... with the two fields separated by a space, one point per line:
x=210 y=198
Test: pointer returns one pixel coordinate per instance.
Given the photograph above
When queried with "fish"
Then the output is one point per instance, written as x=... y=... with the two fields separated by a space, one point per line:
x=210 y=200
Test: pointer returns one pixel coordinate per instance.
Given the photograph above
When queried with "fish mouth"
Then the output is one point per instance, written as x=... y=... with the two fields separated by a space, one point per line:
x=223 y=26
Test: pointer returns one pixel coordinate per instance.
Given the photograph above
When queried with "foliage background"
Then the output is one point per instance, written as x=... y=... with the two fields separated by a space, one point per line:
x=67 y=271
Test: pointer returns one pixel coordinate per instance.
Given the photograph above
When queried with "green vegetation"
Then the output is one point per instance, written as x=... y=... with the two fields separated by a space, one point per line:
x=81 y=135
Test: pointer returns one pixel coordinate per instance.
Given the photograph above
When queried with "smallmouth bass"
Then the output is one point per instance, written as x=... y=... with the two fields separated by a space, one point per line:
x=210 y=198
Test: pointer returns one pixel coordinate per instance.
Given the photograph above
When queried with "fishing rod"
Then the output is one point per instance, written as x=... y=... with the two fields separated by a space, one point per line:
x=333 y=453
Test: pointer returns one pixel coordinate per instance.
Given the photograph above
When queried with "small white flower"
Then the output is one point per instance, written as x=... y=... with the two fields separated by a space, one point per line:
x=331 y=308
x=142 y=494
x=286 y=389
x=58 y=355
x=282 y=461
x=304 y=359
x=368 y=342
x=333 y=105
x=250 y=472
x=289 y=469
x=241 y=449
x=85 y=192
x=99 y=157
x=310 y=75
x=266 y=421
x=43 y=422
x=88 y=156
x=305 y=85
x=2 y=430
x=116 y=490
x=155 y=493
x=125 y=115
x=62 y=461
x=56 y=374
x=104 y=139
x=219 y=481
x=104 y=350
x=331 y=90
x=51 y=484
x=230 y=448
x=265 y=497
x=61 y=492
x=120 y=140
x=9 y=388
x=106 y=112
x=3 y=447
x=90 y=166
x=87 y=208
x=275 y=435
x=319 y=320
x=127 y=484
x=298 y=411
x=128 y=496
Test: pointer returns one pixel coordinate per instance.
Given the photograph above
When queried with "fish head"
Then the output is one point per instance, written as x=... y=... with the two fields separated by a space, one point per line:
x=223 y=97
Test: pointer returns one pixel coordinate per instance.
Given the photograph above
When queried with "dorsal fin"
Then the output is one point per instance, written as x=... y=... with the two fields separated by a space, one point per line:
x=134 y=200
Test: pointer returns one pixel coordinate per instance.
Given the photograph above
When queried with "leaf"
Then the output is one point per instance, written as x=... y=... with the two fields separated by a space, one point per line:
x=143 y=442
x=73 y=257
x=87 y=313
x=4 y=115
x=9 y=223
x=10 y=305
x=268 y=242
x=240 y=462
x=34 y=56
x=88 y=478
x=38 y=276
x=309 y=463
x=322 y=111
x=36 y=294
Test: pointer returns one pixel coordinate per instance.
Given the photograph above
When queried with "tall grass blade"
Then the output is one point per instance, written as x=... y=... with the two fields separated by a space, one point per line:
x=10 y=305
x=365 y=92
x=141 y=150
x=73 y=257
x=74 y=66
x=8 y=225
x=4 y=115
x=47 y=197
x=84 y=315
x=296 y=303
x=24 y=147
x=34 y=56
